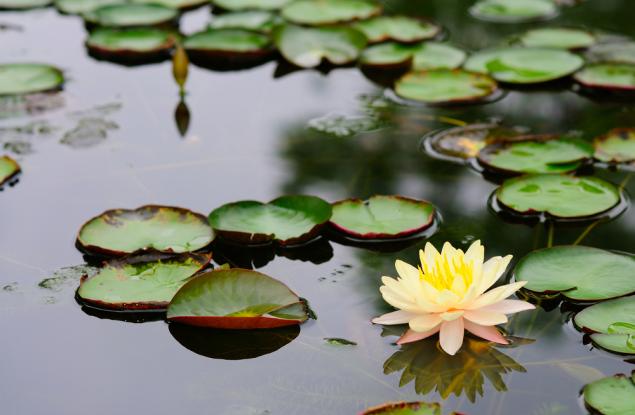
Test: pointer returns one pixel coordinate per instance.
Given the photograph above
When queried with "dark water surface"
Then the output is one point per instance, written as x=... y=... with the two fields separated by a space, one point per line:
x=248 y=139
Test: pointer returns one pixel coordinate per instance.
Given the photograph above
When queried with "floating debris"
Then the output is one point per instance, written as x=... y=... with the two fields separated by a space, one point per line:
x=341 y=125
x=337 y=341
x=67 y=276
x=88 y=132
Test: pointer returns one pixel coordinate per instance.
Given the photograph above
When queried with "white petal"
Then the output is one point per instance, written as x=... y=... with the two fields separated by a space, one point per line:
x=424 y=322
x=495 y=295
x=509 y=306
x=485 y=318
x=406 y=271
x=398 y=302
x=490 y=333
x=451 y=315
x=413 y=336
x=493 y=269
x=396 y=317
x=451 y=336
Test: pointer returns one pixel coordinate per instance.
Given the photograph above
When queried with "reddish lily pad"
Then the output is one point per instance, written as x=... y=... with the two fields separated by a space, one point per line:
x=140 y=282
x=405 y=408
x=614 y=395
x=236 y=299
x=607 y=76
x=9 y=169
x=611 y=324
x=135 y=43
x=616 y=146
x=329 y=12
x=161 y=228
x=401 y=29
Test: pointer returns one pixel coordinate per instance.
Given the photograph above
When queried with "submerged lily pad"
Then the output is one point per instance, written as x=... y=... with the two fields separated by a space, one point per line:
x=612 y=52
x=82 y=6
x=382 y=217
x=288 y=220
x=617 y=146
x=445 y=86
x=426 y=55
x=614 y=395
x=256 y=20
x=140 y=282
x=536 y=154
x=23 y=4
x=309 y=47
x=236 y=299
x=558 y=38
x=405 y=408
x=514 y=11
x=524 y=65
x=132 y=15
x=397 y=28
x=326 y=12
x=9 y=168
x=161 y=228
x=240 y=5
x=27 y=78
x=218 y=43
x=558 y=196
x=612 y=324
x=607 y=76
x=578 y=273
x=130 y=43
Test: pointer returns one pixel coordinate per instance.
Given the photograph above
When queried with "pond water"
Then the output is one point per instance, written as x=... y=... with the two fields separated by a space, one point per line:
x=249 y=137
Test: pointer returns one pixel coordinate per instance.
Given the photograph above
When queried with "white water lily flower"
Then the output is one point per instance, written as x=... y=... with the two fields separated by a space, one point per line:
x=447 y=294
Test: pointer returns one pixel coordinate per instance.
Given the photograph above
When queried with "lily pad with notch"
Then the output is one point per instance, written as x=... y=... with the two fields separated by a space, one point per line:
x=405 y=408
x=243 y=5
x=419 y=56
x=311 y=47
x=23 y=4
x=402 y=29
x=577 y=273
x=134 y=46
x=236 y=299
x=287 y=220
x=226 y=48
x=525 y=65
x=9 y=170
x=146 y=281
x=611 y=324
x=329 y=12
x=516 y=11
x=558 y=38
x=607 y=76
x=127 y=15
x=616 y=147
x=165 y=229
x=82 y=6
x=256 y=20
x=613 y=395
x=29 y=78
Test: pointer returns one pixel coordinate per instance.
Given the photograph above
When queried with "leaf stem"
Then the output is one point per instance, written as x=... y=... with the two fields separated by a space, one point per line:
x=550 y=235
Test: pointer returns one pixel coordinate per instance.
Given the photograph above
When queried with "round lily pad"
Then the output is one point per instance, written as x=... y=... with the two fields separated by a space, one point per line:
x=82 y=6
x=255 y=20
x=445 y=86
x=236 y=299
x=309 y=47
x=328 y=12
x=27 y=78
x=241 y=5
x=577 y=273
x=160 y=228
x=397 y=28
x=612 y=52
x=218 y=43
x=23 y=4
x=616 y=146
x=558 y=196
x=9 y=168
x=130 y=43
x=132 y=15
x=516 y=11
x=607 y=76
x=612 y=324
x=536 y=154
x=288 y=220
x=525 y=65
x=140 y=282
x=382 y=217
x=614 y=395
x=558 y=38
x=405 y=408
x=426 y=55
x=182 y=5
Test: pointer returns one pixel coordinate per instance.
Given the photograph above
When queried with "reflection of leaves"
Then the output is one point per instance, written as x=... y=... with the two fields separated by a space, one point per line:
x=341 y=125
x=182 y=117
x=88 y=132
x=18 y=147
x=432 y=369
x=68 y=276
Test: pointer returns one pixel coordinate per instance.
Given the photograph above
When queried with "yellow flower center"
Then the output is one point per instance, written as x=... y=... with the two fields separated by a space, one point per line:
x=445 y=269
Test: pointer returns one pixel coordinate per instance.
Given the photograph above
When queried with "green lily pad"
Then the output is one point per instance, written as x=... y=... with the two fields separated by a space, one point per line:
x=9 y=168
x=181 y=5
x=614 y=395
x=160 y=228
x=612 y=52
x=83 y=6
x=27 y=78
x=426 y=55
x=612 y=324
x=536 y=154
x=525 y=65
x=445 y=86
x=328 y=12
x=131 y=15
x=557 y=38
x=514 y=11
x=607 y=76
x=135 y=42
x=578 y=273
x=288 y=220
x=558 y=196
x=405 y=408
x=382 y=217
x=616 y=146
x=397 y=28
x=140 y=282
x=309 y=47
x=228 y=43
x=242 y=5
x=255 y=20
x=23 y=4
x=236 y=299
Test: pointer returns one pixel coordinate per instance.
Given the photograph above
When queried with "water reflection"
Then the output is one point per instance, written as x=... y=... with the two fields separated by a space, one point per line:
x=182 y=117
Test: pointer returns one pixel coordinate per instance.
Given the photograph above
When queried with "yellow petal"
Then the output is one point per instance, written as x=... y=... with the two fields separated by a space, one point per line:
x=495 y=295
x=451 y=315
x=493 y=269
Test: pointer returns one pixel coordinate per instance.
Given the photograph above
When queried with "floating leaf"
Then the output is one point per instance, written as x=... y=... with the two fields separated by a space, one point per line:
x=255 y=20
x=309 y=47
x=161 y=228
x=219 y=43
x=135 y=43
x=82 y=6
x=426 y=55
x=622 y=51
x=337 y=341
x=236 y=299
x=9 y=168
x=445 y=86
x=27 y=78
x=182 y=5
x=536 y=154
x=616 y=146
x=382 y=217
x=558 y=38
x=23 y=4
x=516 y=11
x=235 y=5
x=614 y=395
x=612 y=323
x=405 y=408
x=140 y=282
x=558 y=196
x=288 y=220
x=328 y=12
x=397 y=28
x=524 y=65
x=131 y=15
x=607 y=76
x=578 y=273
x=341 y=125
